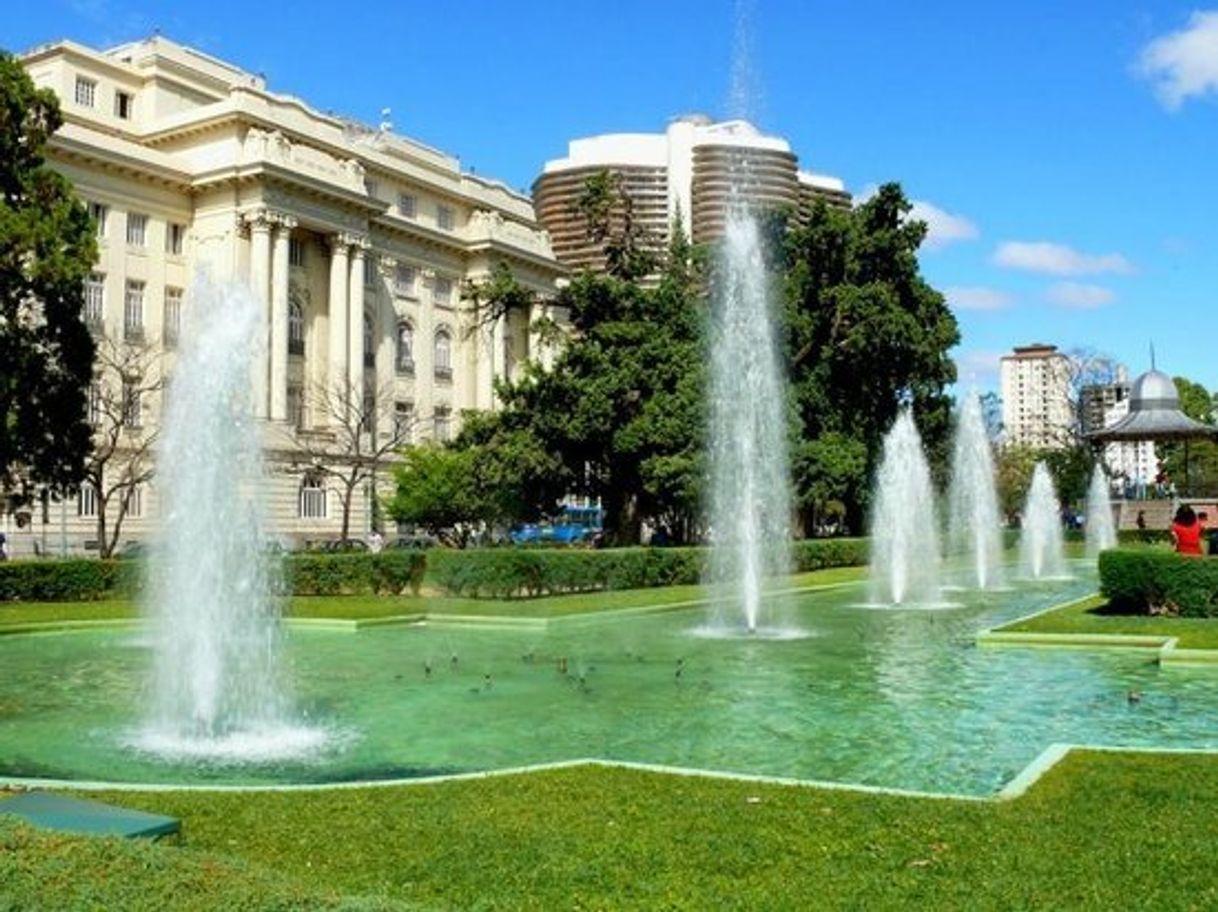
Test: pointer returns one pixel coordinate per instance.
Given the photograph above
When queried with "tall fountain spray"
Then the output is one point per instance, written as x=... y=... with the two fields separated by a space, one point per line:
x=1101 y=531
x=215 y=686
x=905 y=551
x=1040 y=539
x=749 y=487
x=973 y=524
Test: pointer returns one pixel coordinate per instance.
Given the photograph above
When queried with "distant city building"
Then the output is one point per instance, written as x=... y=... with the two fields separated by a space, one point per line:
x=1036 y=408
x=688 y=172
x=357 y=241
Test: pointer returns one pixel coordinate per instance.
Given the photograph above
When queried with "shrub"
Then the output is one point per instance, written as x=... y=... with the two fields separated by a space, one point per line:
x=531 y=572
x=1144 y=580
x=85 y=579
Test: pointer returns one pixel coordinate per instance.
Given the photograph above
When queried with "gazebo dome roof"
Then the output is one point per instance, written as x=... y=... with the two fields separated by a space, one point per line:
x=1153 y=390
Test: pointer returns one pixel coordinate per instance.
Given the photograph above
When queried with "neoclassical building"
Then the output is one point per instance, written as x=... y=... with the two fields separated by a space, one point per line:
x=357 y=240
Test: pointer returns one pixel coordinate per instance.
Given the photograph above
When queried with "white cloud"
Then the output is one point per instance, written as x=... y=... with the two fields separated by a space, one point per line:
x=978 y=368
x=942 y=228
x=975 y=297
x=1183 y=64
x=1079 y=295
x=1057 y=259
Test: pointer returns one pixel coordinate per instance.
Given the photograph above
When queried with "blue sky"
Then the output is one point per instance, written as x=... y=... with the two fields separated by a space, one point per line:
x=1063 y=152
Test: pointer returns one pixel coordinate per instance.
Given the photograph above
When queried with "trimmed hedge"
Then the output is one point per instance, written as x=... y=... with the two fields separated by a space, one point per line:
x=74 y=580
x=387 y=573
x=1150 y=580
x=532 y=572
x=1125 y=536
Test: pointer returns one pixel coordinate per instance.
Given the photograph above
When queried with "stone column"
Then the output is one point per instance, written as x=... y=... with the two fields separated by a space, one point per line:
x=260 y=283
x=279 y=320
x=337 y=318
x=386 y=345
x=355 y=324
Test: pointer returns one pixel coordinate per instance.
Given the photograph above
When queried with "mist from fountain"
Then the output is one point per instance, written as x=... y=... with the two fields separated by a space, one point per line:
x=749 y=507
x=1099 y=525
x=905 y=553
x=216 y=693
x=1040 y=540
x=974 y=528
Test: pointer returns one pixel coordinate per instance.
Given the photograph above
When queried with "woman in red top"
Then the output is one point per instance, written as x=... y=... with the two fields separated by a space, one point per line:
x=1186 y=531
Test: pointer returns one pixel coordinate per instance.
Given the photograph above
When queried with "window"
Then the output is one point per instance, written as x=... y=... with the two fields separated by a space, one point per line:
x=408 y=206
x=296 y=252
x=123 y=104
x=444 y=355
x=99 y=212
x=312 y=503
x=371 y=187
x=404 y=278
x=172 y=324
x=95 y=299
x=442 y=292
x=86 y=91
x=444 y=218
x=403 y=421
x=95 y=404
x=132 y=417
x=175 y=238
x=134 y=496
x=133 y=311
x=296 y=328
x=86 y=500
x=137 y=229
x=369 y=343
x=367 y=422
x=405 y=353
x=296 y=406
x=369 y=272
x=442 y=423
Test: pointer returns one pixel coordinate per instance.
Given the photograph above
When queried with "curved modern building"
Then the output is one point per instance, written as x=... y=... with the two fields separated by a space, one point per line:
x=692 y=171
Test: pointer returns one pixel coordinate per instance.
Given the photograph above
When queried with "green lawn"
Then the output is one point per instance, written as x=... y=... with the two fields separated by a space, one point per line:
x=371 y=606
x=1085 y=617
x=1101 y=831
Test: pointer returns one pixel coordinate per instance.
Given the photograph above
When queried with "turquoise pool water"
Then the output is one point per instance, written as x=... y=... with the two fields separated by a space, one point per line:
x=898 y=698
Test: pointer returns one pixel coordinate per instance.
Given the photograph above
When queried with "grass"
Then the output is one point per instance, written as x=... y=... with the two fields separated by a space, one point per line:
x=1088 y=617
x=1100 y=831
x=372 y=606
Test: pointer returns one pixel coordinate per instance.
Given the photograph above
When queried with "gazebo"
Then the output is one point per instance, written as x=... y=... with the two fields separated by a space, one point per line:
x=1154 y=414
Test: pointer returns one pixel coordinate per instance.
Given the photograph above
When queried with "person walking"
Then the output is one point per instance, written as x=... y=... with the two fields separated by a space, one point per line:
x=375 y=542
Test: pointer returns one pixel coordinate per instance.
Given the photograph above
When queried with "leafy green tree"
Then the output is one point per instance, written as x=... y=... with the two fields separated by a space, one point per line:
x=437 y=488
x=1013 y=467
x=866 y=335
x=47 y=246
x=1201 y=473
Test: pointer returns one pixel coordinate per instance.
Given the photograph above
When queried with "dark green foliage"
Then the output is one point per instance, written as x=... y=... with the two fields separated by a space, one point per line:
x=47 y=247
x=387 y=573
x=41 y=870
x=81 y=579
x=866 y=335
x=1152 y=580
x=1200 y=473
x=532 y=572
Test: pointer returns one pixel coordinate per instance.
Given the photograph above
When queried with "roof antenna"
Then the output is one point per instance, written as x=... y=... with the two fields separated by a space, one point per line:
x=1152 y=355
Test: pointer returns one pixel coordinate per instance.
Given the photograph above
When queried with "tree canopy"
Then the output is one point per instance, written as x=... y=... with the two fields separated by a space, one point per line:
x=47 y=246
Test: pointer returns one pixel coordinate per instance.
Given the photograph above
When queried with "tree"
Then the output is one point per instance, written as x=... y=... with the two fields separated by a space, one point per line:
x=1201 y=472
x=121 y=459
x=47 y=246
x=865 y=335
x=608 y=213
x=436 y=487
x=1013 y=476
x=356 y=436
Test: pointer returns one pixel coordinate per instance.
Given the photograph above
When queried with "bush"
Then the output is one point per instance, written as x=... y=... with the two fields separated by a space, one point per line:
x=1126 y=536
x=74 y=580
x=532 y=572
x=1151 y=580
x=387 y=573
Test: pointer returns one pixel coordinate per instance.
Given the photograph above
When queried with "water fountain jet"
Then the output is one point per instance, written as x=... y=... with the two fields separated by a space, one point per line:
x=973 y=526
x=1100 y=529
x=1040 y=538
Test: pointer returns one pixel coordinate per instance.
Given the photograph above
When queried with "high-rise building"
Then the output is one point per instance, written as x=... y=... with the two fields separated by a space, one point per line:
x=690 y=172
x=1036 y=406
x=356 y=240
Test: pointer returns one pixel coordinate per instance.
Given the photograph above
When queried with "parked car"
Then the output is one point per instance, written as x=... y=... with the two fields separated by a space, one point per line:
x=414 y=542
x=343 y=546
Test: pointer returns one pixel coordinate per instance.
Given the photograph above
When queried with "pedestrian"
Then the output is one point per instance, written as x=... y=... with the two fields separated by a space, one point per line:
x=1140 y=522
x=375 y=542
x=1186 y=531
x=3 y=547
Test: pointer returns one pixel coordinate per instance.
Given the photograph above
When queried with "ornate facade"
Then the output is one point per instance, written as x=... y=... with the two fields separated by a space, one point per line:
x=358 y=242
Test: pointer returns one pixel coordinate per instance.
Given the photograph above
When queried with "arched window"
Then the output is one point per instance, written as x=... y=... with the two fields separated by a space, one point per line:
x=295 y=328
x=369 y=343
x=405 y=359
x=444 y=354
